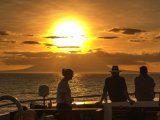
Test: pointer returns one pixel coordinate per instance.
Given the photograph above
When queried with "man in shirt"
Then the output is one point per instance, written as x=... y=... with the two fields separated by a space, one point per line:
x=116 y=88
x=144 y=86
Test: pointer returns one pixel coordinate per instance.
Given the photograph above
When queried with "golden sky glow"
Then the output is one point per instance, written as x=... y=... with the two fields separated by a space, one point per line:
x=125 y=33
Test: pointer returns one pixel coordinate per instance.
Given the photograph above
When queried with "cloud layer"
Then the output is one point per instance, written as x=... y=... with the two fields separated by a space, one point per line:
x=108 y=37
x=128 y=31
x=96 y=61
x=30 y=42
x=7 y=41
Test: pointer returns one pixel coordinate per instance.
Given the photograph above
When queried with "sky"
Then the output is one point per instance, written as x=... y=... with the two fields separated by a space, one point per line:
x=109 y=32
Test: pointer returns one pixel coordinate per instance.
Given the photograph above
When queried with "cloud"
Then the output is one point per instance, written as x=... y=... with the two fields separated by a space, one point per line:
x=7 y=41
x=127 y=59
x=68 y=46
x=77 y=51
x=4 y=33
x=11 y=33
x=8 y=33
x=98 y=49
x=95 y=61
x=25 y=58
x=29 y=54
x=107 y=58
x=48 y=45
x=137 y=40
x=31 y=35
x=109 y=37
x=157 y=37
x=95 y=50
x=30 y=42
x=128 y=31
x=55 y=37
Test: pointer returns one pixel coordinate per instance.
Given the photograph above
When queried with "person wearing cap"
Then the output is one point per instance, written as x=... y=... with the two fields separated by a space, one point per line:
x=64 y=99
x=144 y=86
x=116 y=88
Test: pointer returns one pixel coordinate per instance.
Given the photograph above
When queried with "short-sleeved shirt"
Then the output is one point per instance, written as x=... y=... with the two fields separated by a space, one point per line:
x=144 y=88
x=63 y=88
x=116 y=86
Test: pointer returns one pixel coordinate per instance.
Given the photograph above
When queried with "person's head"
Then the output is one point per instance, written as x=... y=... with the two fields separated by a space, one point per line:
x=143 y=70
x=67 y=73
x=158 y=115
x=115 y=70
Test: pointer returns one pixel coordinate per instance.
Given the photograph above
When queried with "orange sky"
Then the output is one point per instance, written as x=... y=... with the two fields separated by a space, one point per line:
x=125 y=33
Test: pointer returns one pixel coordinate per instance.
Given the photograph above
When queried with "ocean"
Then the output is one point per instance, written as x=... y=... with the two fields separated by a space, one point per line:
x=25 y=86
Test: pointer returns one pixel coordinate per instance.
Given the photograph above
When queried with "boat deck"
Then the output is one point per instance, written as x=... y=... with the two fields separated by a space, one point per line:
x=111 y=111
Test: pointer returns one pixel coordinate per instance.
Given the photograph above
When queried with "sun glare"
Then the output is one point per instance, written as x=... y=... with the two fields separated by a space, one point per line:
x=69 y=33
x=69 y=29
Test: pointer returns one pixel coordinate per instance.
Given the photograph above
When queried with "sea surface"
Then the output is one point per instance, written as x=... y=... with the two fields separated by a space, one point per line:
x=25 y=86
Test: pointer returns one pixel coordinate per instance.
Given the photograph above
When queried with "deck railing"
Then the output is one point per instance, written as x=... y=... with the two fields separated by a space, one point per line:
x=53 y=98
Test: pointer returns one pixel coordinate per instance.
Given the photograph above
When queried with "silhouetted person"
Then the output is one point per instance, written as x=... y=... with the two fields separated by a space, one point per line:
x=144 y=86
x=64 y=99
x=116 y=87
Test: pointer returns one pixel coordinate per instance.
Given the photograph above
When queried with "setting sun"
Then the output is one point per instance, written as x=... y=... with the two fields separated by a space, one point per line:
x=70 y=33
x=69 y=29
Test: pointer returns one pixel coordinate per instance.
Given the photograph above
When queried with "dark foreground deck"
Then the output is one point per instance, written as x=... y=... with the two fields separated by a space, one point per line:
x=98 y=112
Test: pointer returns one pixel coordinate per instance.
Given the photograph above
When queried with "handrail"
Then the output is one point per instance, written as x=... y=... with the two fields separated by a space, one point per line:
x=53 y=98
x=16 y=102
x=87 y=96
x=25 y=101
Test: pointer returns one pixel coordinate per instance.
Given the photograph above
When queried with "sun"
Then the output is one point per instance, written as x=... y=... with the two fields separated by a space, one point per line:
x=69 y=33
x=69 y=29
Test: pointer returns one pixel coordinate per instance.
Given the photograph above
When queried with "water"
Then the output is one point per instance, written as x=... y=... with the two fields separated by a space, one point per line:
x=25 y=85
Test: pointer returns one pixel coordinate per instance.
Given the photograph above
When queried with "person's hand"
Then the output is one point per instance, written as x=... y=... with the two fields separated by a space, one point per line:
x=74 y=105
x=99 y=102
x=131 y=101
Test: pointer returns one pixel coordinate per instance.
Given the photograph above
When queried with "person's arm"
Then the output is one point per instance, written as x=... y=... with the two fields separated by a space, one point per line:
x=128 y=98
x=135 y=87
x=126 y=94
x=153 y=85
x=104 y=95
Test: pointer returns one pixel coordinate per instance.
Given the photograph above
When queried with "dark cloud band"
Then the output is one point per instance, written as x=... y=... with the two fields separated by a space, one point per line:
x=30 y=42
x=128 y=31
